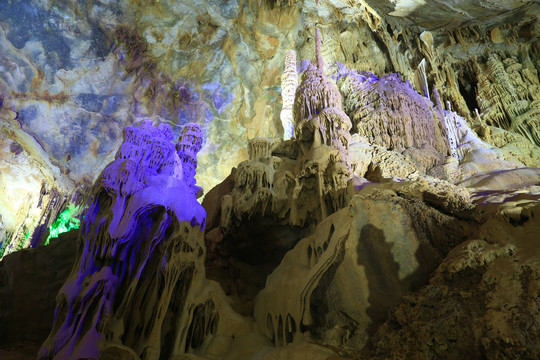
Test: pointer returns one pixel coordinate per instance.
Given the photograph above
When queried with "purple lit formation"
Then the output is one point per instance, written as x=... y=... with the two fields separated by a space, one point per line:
x=141 y=240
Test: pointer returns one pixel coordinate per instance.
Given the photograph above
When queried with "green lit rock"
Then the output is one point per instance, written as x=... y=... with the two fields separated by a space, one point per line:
x=64 y=223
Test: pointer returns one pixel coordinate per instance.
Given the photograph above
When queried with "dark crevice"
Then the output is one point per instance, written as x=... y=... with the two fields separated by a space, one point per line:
x=467 y=89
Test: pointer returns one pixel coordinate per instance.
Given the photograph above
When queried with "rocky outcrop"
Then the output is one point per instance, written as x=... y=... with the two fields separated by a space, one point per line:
x=341 y=280
x=482 y=302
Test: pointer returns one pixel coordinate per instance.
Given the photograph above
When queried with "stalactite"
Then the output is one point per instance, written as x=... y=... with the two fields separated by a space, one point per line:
x=506 y=98
x=421 y=79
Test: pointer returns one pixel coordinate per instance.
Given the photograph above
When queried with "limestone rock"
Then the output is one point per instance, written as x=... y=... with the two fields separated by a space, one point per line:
x=390 y=113
x=509 y=100
x=515 y=147
x=310 y=241
x=504 y=179
x=75 y=95
x=34 y=188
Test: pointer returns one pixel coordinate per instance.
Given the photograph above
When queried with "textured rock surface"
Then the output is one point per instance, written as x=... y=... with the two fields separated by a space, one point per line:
x=87 y=85
x=482 y=302
x=391 y=113
x=139 y=274
x=34 y=188
x=355 y=267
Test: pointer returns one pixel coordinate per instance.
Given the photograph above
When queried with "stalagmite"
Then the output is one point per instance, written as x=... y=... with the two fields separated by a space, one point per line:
x=189 y=144
x=289 y=83
x=140 y=247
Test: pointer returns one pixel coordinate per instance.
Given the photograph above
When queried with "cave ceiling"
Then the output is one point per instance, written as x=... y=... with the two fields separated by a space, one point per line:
x=444 y=15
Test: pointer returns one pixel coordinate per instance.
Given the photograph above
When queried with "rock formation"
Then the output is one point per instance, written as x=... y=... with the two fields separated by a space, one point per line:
x=74 y=100
x=391 y=113
x=189 y=144
x=354 y=268
x=297 y=182
x=140 y=247
x=289 y=83
x=481 y=300
x=508 y=95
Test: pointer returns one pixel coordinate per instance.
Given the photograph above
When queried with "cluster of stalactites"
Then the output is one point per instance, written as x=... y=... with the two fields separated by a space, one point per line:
x=391 y=113
x=509 y=95
x=289 y=84
x=147 y=151
x=189 y=144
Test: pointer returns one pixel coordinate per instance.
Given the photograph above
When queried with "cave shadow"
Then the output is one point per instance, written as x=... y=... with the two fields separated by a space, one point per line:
x=375 y=255
x=385 y=287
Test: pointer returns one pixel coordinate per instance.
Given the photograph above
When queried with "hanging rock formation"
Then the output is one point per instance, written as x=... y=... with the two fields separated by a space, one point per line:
x=508 y=95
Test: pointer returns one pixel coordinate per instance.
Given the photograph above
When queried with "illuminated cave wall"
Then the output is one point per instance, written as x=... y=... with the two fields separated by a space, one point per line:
x=73 y=74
